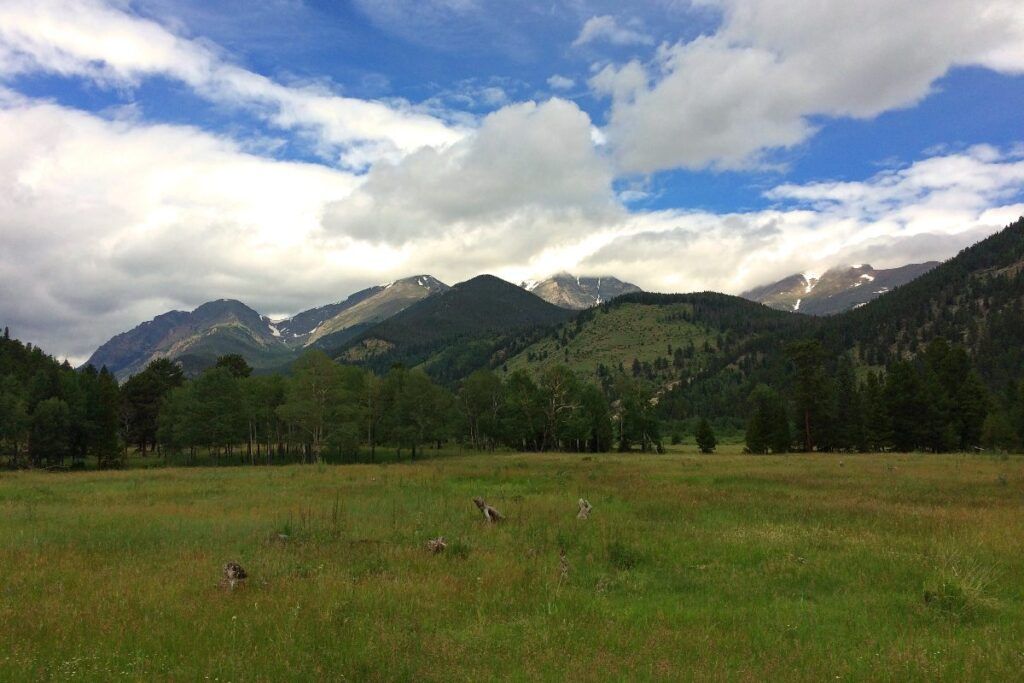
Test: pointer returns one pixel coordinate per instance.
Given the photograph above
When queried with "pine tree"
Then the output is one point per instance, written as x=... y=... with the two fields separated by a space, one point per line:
x=877 y=422
x=705 y=436
x=849 y=416
x=14 y=419
x=236 y=364
x=143 y=394
x=105 y=440
x=813 y=393
x=972 y=403
x=48 y=442
x=768 y=427
x=905 y=406
x=998 y=433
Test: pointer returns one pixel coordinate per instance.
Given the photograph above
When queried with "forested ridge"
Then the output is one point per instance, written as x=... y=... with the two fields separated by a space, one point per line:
x=974 y=301
x=455 y=333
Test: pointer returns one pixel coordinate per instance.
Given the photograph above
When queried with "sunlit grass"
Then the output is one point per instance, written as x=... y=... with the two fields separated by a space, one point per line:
x=726 y=566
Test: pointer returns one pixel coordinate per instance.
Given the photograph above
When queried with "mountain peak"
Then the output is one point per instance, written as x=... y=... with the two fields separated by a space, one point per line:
x=838 y=289
x=426 y=281
x=574 y=292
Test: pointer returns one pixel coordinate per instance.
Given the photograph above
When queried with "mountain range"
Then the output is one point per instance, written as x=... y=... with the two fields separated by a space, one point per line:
x=602 y=326
x=480 y=306
x=195 y=339
x=838 y=289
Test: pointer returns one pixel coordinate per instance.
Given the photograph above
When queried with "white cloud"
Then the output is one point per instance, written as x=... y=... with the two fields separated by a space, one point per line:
x=605 y=28
x=92 y=39
x=106 y=220
x=531 y=166
x=926 y=211
x=558 y=82
x=105 y=223
x=723 y=100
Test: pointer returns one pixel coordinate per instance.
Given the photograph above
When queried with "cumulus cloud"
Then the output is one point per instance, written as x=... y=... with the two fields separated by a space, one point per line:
x=108 y=222
x=96 y=40
x=926 y=211
x=723 y=100
x=531 y=170
x=558 y=82
x=606 y=29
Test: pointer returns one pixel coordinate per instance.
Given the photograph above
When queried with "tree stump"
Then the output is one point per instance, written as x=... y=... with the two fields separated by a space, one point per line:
x=490 y=514
x=585 y=508
x=234 y=575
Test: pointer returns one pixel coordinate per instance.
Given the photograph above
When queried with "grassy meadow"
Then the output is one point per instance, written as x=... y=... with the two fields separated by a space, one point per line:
x=618 y=335
x=723 y=567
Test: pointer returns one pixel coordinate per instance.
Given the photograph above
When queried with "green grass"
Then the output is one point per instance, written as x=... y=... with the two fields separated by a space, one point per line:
x=618 y=335
x=691 y=567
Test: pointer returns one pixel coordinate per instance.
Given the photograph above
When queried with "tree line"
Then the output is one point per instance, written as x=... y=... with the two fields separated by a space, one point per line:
x=52 y=415
x=934 y=402
x=323 y=410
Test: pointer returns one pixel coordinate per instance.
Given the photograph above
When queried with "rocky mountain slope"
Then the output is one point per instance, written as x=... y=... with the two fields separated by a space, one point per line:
x=838 y=289
x=331 y=325
x=197 y=338
x=578 y=293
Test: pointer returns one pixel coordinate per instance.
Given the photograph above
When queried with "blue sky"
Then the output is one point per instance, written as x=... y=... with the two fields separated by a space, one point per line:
x=161 y=153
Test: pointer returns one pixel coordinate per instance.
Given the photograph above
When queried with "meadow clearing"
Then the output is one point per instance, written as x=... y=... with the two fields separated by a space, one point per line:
x=725 y=567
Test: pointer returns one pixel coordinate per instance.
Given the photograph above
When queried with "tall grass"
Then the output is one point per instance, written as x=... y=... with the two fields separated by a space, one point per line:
x=707 y=567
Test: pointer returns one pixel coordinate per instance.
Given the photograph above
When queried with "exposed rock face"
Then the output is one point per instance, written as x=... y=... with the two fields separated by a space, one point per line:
x=195 y=339
x=578 y=293
x=837 y=290
x=214 y=329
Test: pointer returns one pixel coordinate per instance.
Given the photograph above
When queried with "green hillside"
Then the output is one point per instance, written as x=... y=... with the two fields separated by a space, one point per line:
x=453 y=333
x=662 y=339
x=202 y=350
x=974 y=300
x=705 y=353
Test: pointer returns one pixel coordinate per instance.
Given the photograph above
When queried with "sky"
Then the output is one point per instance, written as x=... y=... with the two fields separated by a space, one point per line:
x=157 y=154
